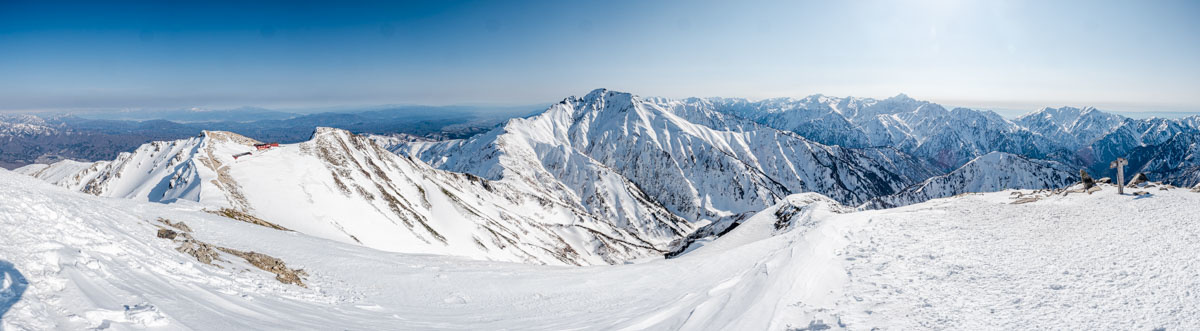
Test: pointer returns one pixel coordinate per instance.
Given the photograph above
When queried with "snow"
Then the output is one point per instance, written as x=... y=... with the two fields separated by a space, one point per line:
x=1100 y=261
x=58 y=172
x=630 y=159
x=991 y=172
x=345 y=187
x=1081 y=261
x=610 y=182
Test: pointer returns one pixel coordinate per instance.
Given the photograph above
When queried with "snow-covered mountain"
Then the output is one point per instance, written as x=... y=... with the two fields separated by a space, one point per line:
x=1077 y=137
x=995 y=171
x=1069 y=126
x=19 y=125
x=1097 y=137
x=344 y=187
x=948 y=138
x=624 y=156
x=17 y=128
x=611 y=177
x=1175 y=161
x=59 y=173
x=74 y=261
x=30 y=139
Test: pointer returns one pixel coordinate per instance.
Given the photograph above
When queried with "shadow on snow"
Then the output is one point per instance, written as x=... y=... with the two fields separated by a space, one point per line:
x=12 y=286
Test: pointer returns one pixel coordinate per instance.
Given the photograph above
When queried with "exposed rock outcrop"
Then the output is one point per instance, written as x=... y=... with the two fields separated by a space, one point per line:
x=1087 y=181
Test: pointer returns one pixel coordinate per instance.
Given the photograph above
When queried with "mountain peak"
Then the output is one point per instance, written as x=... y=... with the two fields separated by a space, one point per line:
x=322 y=130
x=596 y=94
x=991 y=157
x=226 y=136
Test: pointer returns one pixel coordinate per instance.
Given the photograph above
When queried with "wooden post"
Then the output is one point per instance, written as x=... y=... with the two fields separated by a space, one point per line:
x=1119 y=164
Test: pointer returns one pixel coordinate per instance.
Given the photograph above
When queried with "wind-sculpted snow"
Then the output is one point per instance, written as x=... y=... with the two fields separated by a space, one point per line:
x=345 y=187
x=993 y=172
x=1075 y=261
x=628 y=157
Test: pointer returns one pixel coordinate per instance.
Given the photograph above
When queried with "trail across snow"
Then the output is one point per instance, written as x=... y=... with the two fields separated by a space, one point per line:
x=1097 y=261
x=1086 y=262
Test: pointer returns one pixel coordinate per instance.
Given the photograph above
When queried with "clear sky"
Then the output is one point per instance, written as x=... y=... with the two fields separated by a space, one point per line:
x=1128 y=56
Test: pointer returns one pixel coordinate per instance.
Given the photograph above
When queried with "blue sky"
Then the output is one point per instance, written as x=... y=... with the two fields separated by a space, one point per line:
x=1125 y=56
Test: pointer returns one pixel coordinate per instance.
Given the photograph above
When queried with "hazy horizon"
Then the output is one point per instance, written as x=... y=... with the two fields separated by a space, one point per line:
x=484 y=108
x=1122 y=57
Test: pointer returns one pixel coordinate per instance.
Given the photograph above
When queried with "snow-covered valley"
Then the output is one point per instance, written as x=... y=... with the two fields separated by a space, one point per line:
x=1079 y=261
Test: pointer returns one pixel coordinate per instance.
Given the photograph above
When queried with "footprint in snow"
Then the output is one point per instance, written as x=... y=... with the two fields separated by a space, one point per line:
x=457 y=299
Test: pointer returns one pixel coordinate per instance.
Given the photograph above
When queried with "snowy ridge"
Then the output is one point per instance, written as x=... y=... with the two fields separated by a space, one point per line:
x=1074 y=127
x=55 y=173
x=345 y=187
x=24 y=125
x=1098 y=138
x=611 y=149
x=969 y=262
x=1176 y=160
x=948 y=138
x=1078 y=137
x=996 y=171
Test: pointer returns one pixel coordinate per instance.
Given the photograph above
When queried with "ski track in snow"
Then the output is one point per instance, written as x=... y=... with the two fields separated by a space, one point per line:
x=1097 y=261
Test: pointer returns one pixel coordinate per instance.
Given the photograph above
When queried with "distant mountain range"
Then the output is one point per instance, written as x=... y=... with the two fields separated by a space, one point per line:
x=604 y=178
x=26 y=139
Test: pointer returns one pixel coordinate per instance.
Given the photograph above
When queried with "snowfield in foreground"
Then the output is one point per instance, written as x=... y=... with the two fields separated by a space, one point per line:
x=1099 y=261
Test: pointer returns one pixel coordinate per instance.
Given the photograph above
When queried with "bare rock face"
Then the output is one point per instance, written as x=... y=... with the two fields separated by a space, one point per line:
x=1138 y=180
x=207 y=253
x=245 y=217
x=1086 y=180
x=270 y=264
x=200 y=250
x=177 y=225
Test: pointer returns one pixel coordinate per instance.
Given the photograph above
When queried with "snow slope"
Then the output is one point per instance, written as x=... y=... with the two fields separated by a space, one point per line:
x=946 y=138
x=55 y=173
x=344 y=187
x=1097 y=138
x=623 y=156
x=1080 y=261
x=1176 y=160
x=1079 y=137
x=993 y=172
x=1073 y=127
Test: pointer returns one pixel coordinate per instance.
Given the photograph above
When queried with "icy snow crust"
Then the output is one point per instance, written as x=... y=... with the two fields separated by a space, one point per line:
x=1098 y=261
